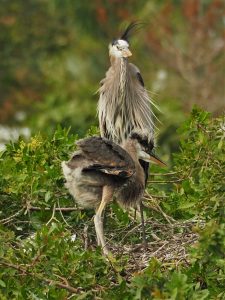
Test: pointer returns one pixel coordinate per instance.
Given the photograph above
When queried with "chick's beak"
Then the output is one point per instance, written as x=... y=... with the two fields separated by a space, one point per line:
x=126 y=53
x=151 y=158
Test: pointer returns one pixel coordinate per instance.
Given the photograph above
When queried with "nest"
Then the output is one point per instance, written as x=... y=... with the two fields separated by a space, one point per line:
x=169 y=244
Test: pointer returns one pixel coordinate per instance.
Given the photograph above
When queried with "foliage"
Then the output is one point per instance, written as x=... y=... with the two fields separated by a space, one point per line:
x=199 y=165
x=42 y=252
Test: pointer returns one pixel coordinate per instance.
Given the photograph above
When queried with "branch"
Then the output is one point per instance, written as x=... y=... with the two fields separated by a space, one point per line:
x=159 y=196
x=169 y=219
x=60 y=210
x=166 y=181
x=9 y=219
x=165 y=174
x=65 y=209
x=53 y=215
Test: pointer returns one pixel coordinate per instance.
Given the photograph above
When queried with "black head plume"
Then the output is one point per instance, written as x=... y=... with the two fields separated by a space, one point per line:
x=130 y=28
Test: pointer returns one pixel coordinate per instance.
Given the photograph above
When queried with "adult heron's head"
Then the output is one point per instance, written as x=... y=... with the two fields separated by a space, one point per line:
x=120 y=47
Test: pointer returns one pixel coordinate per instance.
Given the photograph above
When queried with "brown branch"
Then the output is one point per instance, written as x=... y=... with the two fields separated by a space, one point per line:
x=65 y=209
x=9 y=219
x=158 y=207
x=159 y=210
x=166 y=181
x=50 y=281
x=62 y=214
x=164 y=174
x=159 y=196
x=53 y=215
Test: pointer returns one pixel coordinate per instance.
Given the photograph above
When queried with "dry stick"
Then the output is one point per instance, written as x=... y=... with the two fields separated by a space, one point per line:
x=9 y=219
x=166 y=181
x=160 y=248
x=53 y=215
x=35 y=208
x=158 y=196
x=36 y=258
x=65 y=209
x=62 y=215
x=130 y=231
x=143 y=225
x=168 y=218
x=63 y=279
x=135 y=261
x=165 y=174
x=50 y=281
x=160 y=209
x=71 y=296
x=85 y=237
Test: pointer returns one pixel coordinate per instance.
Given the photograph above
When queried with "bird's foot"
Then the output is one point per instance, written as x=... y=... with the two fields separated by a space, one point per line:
x=106 y=251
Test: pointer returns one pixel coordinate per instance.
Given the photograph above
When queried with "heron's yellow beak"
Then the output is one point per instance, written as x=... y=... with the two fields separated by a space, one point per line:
x=126 y=53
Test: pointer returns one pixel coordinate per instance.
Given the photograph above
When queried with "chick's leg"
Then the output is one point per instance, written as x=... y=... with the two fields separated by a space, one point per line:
x=106 y=197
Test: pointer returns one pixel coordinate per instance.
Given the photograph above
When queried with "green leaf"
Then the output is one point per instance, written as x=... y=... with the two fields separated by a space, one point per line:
x=186 y=205
x=2 y=283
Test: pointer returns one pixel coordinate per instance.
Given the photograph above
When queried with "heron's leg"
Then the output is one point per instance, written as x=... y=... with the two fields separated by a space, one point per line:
x=106 y=197
x=98 y=239
x=143 y=226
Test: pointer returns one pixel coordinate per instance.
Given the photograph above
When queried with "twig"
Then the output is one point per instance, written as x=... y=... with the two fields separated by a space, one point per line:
x=130 y=231
x=135 y=261
x=9 y=219
x=62 y=215
x=63 y=279
x=86 y=237
x=36 y=259
x=160 y=197
x=166 y=181
x=155 y=237
x=143 y=226
x=64 y=209
x=160 y=248
x=159 y=209
x=53 y=215
x=168 y=218
x=164 y=174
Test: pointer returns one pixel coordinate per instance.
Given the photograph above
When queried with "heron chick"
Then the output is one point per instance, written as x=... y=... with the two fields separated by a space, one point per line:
x=102 y=170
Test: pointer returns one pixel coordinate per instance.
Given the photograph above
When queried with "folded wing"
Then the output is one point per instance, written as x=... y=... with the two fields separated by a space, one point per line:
x=106 y=156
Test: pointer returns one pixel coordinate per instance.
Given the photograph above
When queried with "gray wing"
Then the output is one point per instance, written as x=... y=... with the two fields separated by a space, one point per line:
x=106 y=156
x=136 y=73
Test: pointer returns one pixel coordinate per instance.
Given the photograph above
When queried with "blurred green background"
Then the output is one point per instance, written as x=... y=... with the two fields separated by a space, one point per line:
x=53 y=54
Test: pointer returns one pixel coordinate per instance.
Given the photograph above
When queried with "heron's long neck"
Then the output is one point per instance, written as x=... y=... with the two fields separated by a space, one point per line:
x=120 y=68
x=116 y=95
x=123 y=77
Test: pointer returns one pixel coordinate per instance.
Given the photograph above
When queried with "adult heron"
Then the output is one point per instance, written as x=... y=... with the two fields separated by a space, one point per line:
x=102 y=170
x=124 y=105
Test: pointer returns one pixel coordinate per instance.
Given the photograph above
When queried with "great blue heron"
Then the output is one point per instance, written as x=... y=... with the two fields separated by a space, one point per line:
x=124 y=105
x=101 y=170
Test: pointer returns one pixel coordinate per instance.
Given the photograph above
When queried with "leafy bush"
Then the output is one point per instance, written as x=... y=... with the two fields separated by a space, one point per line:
x=44 y=237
